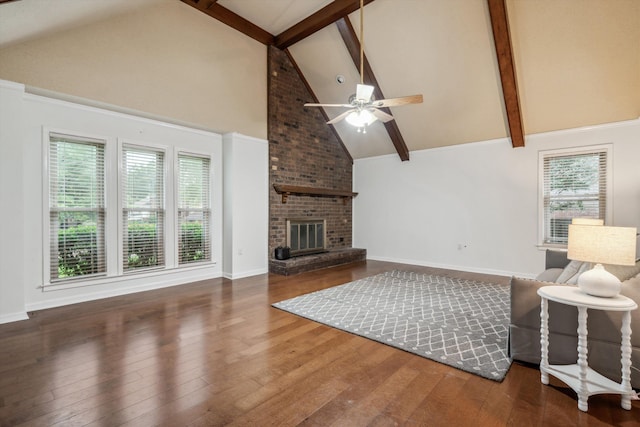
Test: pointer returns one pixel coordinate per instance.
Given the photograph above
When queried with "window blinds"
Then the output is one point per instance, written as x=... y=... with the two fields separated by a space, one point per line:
x=194 y=209
x=575 y=185
x=142 y=208
x=76 y=207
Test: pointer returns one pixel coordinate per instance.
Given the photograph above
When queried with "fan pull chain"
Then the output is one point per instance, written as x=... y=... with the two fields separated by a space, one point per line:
x=362 y=42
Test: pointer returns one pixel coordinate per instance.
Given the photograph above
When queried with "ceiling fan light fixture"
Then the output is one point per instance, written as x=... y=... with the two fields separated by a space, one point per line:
x=361 y=118
x=364 y=108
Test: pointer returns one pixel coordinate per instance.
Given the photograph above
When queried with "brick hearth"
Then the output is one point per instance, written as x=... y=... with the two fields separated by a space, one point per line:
x=304 y=263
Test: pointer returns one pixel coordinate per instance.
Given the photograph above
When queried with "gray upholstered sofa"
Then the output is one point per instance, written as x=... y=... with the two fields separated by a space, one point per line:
x=603 y=327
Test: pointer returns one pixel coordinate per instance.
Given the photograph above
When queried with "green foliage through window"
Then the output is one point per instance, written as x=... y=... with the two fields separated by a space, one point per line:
x=192 y=242
x=77 y=254
x=143 y=246
x=77 y=251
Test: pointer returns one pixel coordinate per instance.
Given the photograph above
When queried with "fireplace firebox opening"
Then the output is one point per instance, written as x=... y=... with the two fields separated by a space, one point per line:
x=306 y=236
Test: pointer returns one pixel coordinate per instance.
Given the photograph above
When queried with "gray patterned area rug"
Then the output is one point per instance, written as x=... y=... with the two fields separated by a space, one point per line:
x=461 y=323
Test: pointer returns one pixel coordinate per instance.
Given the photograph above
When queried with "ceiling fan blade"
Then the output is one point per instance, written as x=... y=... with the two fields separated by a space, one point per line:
x=340 y=117
x=394 y=102
x=328 y=105
x=364 y=92
x=381 y=115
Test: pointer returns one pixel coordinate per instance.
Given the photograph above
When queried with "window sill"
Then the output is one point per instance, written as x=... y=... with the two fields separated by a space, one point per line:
x=545 y=246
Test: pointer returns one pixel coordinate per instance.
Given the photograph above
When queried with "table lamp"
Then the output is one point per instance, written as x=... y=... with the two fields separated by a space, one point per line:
x=601 y=245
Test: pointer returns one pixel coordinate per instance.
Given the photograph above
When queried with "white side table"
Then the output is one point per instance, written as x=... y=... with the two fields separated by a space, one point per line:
x=582 y=379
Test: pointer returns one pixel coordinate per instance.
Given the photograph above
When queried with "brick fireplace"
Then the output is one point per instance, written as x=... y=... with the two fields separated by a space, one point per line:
x=304 y=152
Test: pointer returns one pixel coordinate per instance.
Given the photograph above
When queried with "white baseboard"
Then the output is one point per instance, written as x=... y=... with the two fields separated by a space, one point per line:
x=243 y=274
x=13 y=317
x=452 y=267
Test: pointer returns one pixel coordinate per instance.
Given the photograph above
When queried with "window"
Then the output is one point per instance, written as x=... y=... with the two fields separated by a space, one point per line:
x=76 y=207
x=117 y=209
x=194 y=209
x=575 y=184
x=142 y=208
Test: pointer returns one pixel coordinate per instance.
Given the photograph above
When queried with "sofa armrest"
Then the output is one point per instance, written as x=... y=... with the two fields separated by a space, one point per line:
x=525 y=308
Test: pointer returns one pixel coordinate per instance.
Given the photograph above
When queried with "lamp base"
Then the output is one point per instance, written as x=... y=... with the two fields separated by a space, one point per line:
x=599 y=282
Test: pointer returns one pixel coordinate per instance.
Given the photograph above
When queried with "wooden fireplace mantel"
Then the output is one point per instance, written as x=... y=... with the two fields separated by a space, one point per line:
x=287 y=190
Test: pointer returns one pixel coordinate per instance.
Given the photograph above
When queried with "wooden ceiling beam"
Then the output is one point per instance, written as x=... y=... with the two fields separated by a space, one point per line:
x=315 y=99
x=353 y=46
x=232 y=19
x=502 y=41
x=326 y=16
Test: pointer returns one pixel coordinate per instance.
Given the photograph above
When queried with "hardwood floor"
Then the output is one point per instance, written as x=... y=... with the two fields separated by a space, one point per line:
x=215 y=353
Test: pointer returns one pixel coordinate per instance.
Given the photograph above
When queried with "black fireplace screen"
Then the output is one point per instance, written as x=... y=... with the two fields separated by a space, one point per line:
x=305 y=236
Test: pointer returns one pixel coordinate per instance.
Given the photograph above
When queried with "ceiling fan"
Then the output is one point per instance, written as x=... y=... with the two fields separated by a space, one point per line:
x=363 y=107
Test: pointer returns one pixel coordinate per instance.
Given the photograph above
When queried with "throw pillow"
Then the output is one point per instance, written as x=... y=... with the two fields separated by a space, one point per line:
x=549 y=275
x=569 y=271
x=623 y=272
x=574 y=279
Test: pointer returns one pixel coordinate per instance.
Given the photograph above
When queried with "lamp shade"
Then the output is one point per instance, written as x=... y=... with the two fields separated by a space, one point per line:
x=603 y=244
x=587 y=221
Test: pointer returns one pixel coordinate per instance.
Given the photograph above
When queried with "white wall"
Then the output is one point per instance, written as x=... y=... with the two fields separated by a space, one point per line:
x=21 y=164
x=246 y=206
x=474 y=207
x=11 y=199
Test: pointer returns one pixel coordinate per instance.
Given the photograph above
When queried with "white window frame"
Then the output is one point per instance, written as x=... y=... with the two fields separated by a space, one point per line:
x=176 y=185
x=542 y=155
x=168 y=203
x=47 y=132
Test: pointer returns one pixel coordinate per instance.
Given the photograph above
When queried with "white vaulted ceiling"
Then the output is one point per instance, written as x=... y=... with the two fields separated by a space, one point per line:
x=577 y=61
x=274 y=16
